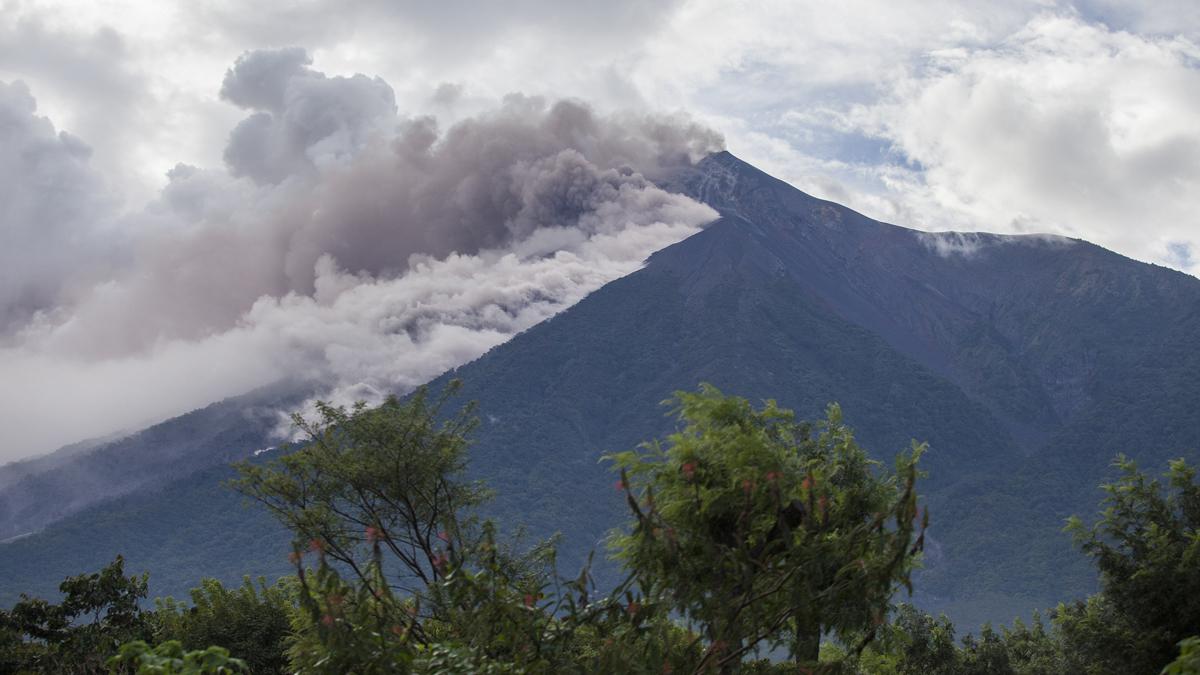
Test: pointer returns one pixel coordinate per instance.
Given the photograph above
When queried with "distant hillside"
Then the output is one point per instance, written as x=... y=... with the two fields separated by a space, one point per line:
x=180 y=531
x=37 y=492
x=1025 y=362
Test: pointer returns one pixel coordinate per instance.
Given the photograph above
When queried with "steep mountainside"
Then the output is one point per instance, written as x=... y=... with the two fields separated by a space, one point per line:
x=1025 y=362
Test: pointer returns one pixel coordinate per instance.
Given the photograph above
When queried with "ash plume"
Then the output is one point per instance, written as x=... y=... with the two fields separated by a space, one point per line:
x=345 y=243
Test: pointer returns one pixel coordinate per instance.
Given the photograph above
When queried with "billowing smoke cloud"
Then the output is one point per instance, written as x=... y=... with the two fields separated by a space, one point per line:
x=302 y=120
x=52 y=208
x=347 y=244
x=1067 y=127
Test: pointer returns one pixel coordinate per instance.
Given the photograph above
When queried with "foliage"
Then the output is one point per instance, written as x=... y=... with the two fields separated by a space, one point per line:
x=98 y=613
x=493 y=622
x=762 y=532
x=917 y=643
x=388 y=477
x=805 y=533
x=757 y=531
x=252 y=622
x=1037 y=650
x=1188 y=662
x=913 y=643
x=101 y=613
x=1146 y=546
x=406 y=579
x=169 y=658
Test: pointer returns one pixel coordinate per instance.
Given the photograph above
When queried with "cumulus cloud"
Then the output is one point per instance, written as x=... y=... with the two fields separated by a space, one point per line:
x=1066 y=127
x=782 y=79
x=302 y=119
x=53 y=209
x=364 y=250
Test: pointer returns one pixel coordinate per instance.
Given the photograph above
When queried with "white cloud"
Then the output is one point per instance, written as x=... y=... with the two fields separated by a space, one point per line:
x=1065 y=127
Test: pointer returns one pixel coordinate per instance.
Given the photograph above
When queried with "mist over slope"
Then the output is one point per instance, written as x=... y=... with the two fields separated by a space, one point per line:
x=37 y=492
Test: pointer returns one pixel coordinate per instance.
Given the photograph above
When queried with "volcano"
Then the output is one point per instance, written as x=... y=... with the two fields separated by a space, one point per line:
x=1025 y=362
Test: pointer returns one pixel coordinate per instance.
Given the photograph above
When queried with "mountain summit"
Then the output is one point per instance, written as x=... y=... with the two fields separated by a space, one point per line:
x=1026 y=362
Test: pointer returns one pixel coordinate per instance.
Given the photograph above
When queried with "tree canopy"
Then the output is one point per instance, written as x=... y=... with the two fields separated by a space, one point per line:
x=766 y=531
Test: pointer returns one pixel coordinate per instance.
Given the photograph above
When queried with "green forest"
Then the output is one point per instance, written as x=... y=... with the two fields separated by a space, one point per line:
x=754 y=542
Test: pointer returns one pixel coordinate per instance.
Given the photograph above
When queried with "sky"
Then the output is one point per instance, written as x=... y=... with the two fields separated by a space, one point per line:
x=199 y=198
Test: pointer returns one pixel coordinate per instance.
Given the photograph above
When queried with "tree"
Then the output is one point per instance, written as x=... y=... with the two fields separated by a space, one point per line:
x=756 y=528
x=763 y=532
x=1146 y=546
x=1034 y=650
x=1188 y=662
x=252 y=622
x=397 y=575
x=169 y=658
x=390 y=476
x=913 y=643
x=98 y=613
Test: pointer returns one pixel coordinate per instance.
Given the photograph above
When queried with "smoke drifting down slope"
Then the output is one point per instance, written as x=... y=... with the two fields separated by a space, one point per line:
x=344 y=243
